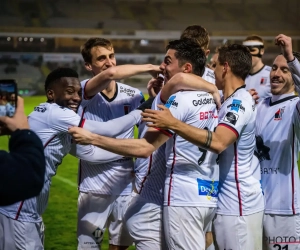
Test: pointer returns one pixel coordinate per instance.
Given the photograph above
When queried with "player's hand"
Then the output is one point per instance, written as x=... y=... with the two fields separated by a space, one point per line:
x=285 y=44
x=217 y=98
x=81 y=136
x=154 y=86
x=254 y=95
x=155 y=71
x=159 y=118
x=18 y=121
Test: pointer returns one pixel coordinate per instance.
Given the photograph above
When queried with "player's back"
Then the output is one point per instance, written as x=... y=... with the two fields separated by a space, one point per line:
x=192 y=173
x=260 y=81
x=240 y=189
x=50 y=122
x=112 y=177
x=277 y=131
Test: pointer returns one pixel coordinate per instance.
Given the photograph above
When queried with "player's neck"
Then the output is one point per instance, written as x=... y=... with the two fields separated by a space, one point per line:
x=231 y=84
x=110 y=90
x=257 y=67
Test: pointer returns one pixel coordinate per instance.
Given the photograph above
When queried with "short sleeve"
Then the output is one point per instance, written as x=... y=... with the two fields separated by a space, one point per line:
x=237 y=115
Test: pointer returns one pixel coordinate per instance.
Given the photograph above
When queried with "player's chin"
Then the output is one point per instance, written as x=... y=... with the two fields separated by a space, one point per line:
x=75 y=109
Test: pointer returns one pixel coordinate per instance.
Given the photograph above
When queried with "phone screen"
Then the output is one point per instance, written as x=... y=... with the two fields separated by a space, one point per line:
x=8 y=97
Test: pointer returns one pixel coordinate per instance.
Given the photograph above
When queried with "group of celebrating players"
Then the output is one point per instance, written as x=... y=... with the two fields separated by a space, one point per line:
x=215 y=162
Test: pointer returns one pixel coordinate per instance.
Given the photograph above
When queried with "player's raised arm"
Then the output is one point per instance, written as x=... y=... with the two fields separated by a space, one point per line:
x=186 y=81
x=101 y=81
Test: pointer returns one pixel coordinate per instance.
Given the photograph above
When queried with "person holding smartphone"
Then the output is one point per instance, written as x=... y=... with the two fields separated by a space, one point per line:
x=23 y=167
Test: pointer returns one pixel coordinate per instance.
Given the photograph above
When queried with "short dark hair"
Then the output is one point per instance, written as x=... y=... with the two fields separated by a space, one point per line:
x=254 y=38
x=59 y=73
x=198 y=34
x=189 y=51
x=238 y=58
x=86 y=48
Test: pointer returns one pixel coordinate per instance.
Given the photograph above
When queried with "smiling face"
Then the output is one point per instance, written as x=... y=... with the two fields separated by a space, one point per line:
x=281 y=77
x=66 y=92
x=170 y=66
x=102 y=59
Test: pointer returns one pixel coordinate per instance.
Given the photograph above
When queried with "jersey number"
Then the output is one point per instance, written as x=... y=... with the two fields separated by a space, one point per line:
x=204 y=152
x=286 y=247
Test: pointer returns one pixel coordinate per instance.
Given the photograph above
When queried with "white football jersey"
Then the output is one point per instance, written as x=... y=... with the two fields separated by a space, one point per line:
x=260 y=81
x=278 y=133
x=240 y=190
x=50 y=122
x=192 y=175
x=209 y=75
x=150 y=173
x=3 y=111
x=115 y=177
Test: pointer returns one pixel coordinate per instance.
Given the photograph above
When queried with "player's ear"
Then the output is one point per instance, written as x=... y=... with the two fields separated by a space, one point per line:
x=207 y=52
x=262 y=51
x=187 y=68
x=88 y=66
x=50 y=95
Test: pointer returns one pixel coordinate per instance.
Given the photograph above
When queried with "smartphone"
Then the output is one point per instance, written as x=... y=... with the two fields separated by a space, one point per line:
x=8 y=97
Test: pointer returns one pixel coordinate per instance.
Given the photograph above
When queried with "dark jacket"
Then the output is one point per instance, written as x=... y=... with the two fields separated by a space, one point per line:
x=22 y=169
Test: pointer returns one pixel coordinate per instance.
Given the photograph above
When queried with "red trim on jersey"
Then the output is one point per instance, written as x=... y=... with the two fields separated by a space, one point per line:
x=46 y=144
x=85 y=97
x=166 y=132
x=19 y=210
x=231 y=128
x=293 y=173
x=171 y=175
x=79 y=174
x=237 y=179
x=148 y=172
x=81 y=124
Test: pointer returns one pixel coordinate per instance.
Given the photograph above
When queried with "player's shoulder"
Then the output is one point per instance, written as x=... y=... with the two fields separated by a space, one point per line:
x=209 y=75
x=190 y=98
x=241 y=100
x=267 y=68
x=83 y=82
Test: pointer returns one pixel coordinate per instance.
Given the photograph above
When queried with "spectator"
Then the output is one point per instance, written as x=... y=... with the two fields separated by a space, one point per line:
x=23 y=167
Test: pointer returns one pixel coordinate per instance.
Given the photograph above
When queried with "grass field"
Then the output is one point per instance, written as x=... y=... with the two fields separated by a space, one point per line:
x=61 y=214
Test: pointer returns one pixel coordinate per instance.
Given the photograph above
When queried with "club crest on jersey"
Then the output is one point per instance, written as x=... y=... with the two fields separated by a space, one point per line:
x=231 y=118
x=171 y=102
x=236 y=105
x=98 y=234
x=263 y=80
x=278 y=114
x=127 y=108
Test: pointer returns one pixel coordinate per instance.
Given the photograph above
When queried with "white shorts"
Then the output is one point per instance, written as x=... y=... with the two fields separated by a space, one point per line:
x=282 y=232
x=185 y=227
x=18 y=235
x=238 y=232
x=95 y=213
x=144 y=223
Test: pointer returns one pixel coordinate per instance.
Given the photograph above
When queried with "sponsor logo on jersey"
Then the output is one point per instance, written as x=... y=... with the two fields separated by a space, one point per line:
x=129 y=92
x=236 y=105
x=278 y=114
x=210 y=74
x=231 y=118
x=206 y=94
x=203 y=101
x=40 y=109
x=127 y=108
x=171 y=102
x=207 y=115
x=208 y=188
x=263 y=80
x=262 y=151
